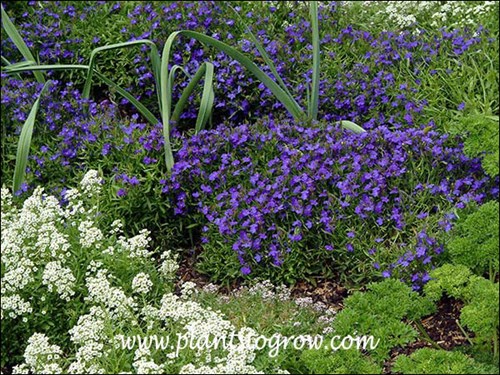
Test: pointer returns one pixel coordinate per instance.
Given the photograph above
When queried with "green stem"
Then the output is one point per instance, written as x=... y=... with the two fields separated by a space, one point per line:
x=426 y=335
x=495 y=346
x=185 y=95
x=465 y=333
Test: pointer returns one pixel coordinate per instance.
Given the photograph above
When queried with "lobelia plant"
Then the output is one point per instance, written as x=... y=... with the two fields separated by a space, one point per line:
x=164 y=78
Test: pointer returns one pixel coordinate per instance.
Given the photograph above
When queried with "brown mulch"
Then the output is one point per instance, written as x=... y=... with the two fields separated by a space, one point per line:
x=329 y=292
x=441 y=327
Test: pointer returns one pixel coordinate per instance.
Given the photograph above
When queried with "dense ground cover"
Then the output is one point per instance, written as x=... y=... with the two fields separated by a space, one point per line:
x=404 y=215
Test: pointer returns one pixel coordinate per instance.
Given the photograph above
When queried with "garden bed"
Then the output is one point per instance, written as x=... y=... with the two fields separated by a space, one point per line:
x=315 y=183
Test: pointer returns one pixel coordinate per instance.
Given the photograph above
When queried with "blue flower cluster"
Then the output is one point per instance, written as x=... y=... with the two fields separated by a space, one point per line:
x=361 y=92
x=305 y=196
x=308 y=198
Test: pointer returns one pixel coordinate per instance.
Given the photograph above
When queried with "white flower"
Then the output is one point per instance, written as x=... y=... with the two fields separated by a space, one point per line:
x=169 y=265
x=57 y=277
x=91 y=183
x=116 y=227
x=90 y=236
x=142 y=283
x=188 y=289
x=17 y=278
x=210 y=288
x=136 y=247
x=37 y=352
x=15 y=305
x=117 y=304
x=90 y=327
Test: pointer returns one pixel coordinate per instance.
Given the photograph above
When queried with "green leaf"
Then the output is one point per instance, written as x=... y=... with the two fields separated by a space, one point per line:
x=314 y=99
x=140 y=107
x=93 y=57
x=23 y=147
x=16 y=38
x=207 y=98
x=27 y=66
x=9 y=64
x=352 y=126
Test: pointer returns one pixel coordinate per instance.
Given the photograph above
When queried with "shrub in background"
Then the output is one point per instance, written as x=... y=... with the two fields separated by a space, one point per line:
x=481 y=139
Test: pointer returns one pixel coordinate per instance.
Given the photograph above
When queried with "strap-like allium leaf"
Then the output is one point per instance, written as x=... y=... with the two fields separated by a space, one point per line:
x=24 y=145
x=16 y=38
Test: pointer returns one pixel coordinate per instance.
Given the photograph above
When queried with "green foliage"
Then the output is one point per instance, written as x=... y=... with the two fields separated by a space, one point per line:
x=24 y=144
x=450 y=279
x=431 y=361
x=482 y=139
x=339 y=362
x=475 y=242
x=480 y=314
x=380 y=312
x=481 y=297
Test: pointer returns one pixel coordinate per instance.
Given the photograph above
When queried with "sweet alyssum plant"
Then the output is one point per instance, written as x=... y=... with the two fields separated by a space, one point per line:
x=75 y=298
x=164 y=78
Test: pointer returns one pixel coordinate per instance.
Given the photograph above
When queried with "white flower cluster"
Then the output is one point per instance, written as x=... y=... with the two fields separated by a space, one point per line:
x=188 y=289
x=459 y=13
x=116 y=302
x=144 y=364
x=408 y=14
x=89 y=334
x=35 y=248
x=137 y=246
x=91 y=184
x=15 y=305
x=237 y=361
x=17 y=278
x=142 y=283
x=90 y=235
x=60 y=278
x=268 y=291
x=7 y=209
x=116 y=227
x=33 y=230
x=90 y=327
x=169 y=265
x=210 y=288
x=304 y=302
x=40 y=357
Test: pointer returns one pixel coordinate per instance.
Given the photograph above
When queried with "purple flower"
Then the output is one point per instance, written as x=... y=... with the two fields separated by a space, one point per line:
x=121 y=193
